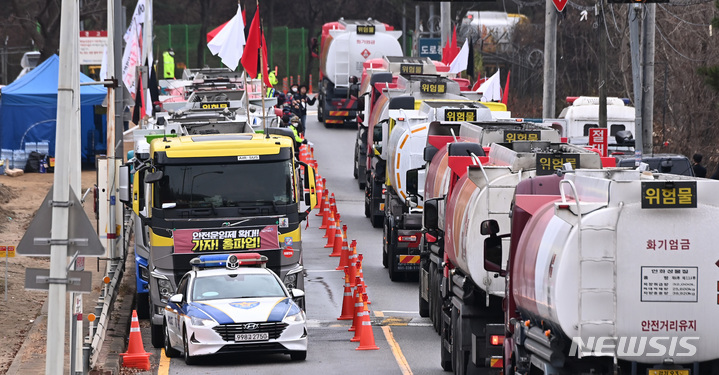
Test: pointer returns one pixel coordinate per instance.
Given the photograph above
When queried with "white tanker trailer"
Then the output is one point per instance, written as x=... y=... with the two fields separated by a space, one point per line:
x=610 y=271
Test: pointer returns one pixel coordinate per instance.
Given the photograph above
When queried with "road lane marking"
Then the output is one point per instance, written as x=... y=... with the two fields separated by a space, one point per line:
x=401 y=312
x=164 y=367
x=394 y=346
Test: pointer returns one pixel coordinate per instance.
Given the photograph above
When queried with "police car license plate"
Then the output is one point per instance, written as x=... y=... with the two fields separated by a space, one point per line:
x=252 y=336
x=667 y=372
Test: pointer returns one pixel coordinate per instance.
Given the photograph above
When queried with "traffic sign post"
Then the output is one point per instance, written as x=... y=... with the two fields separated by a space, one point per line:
x=7 y=252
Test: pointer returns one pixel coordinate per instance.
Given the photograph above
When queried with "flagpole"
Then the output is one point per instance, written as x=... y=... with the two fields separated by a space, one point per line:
x=262 y=70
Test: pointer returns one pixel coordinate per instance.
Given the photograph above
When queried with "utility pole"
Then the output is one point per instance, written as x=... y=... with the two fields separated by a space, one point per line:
x=445 y=14
x=57 y=300
x=404 y=28
x=549 y=92
x=602 y=64
x=429 y=28
x=119 y=28
x=648 y=79
x=634 y=17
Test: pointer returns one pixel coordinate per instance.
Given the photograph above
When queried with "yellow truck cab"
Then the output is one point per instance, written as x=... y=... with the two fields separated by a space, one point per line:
x=220 y=193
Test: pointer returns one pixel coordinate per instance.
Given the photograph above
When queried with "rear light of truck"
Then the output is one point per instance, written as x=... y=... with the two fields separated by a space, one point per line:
x=407 y=238
x=430 y=238
x=496 y=340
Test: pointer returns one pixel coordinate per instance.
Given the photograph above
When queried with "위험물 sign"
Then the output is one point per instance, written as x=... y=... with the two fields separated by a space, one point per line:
x=669 y=194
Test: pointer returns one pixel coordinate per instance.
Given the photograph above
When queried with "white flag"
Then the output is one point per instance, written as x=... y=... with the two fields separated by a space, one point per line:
x=460 y=61
x=131 y=59
x=230 y=41
x=491 y=89
x=138 y=18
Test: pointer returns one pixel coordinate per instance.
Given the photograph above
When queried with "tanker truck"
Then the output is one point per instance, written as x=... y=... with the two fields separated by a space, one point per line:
x=345 y=45
x=609 y=271
x=440 y=177
x=403 y=150
x=471 y=297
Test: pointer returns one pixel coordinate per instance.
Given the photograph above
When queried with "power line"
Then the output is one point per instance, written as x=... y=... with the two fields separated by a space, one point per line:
x=675 y=50
x=681 y=19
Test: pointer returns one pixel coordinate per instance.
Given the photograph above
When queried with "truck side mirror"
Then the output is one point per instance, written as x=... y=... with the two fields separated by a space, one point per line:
x=124 y=184
x=489 y=227
x=430 y=214
x=153 y=177
x=493 y=254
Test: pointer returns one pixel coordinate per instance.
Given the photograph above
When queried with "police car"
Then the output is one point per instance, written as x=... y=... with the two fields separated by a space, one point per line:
x=232 y=303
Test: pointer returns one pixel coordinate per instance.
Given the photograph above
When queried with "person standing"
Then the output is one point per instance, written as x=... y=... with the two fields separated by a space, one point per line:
x=699 y=170
x=168 y=64
x=304 y=100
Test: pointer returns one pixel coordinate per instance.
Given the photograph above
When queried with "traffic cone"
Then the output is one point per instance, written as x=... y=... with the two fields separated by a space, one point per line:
x=366 y=333
x=341 y=243
x=330 y=234
x=347 y=301
x=310 y=84
x=345 y=257
x=352 y=258
x=323 y=198
x=359 y=311
x=333 y=204
x=361 y=276
x=320 y=187
x=135 y=356
x=325 y=212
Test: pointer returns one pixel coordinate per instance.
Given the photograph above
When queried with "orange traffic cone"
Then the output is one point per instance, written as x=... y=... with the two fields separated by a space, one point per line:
x=337 y=244
x=341 y=243
x=353 y=265
x=359 y=311
x=333 y=204
x=345 y=257
x=330 y=234
x=347 y=301
x=320 y=189
x=366 y=333
x=361 y=277
x=325 y=212
x=324 y=202
x=135 y=356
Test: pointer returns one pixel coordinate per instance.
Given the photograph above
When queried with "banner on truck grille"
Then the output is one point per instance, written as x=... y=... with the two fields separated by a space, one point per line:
x=191 y=241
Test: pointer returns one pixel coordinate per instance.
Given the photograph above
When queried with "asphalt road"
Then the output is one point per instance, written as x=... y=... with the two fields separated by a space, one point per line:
x=407 y=342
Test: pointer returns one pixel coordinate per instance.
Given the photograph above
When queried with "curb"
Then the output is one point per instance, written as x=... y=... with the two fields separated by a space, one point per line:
x=34 y=329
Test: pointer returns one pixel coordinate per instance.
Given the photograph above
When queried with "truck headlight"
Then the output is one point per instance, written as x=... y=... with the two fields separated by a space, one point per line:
x=165 y=289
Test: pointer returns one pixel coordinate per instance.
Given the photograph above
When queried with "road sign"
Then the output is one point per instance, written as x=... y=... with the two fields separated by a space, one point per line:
x=77 y=281
x=430 y=47
x=560 y=4
x=7 y=251
x=82 y=236
x=598 y=139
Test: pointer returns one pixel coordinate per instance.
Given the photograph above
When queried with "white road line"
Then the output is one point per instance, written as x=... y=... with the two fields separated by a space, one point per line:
x=322 y=271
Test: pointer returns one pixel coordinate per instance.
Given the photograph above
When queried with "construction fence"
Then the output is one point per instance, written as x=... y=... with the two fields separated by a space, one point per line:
x=288 y=49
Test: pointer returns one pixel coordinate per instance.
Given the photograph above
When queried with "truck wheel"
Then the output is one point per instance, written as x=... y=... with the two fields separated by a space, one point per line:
x=156 y=335
x=445 y=357
x=458 y=362
x=366 y=209
x=320 y=110
x=437 y=301
x=445 y=342
x=355 y=170
x=433 y=317
x=384 y=248
x=142 y=305
x=392 y=263
x=362 y=175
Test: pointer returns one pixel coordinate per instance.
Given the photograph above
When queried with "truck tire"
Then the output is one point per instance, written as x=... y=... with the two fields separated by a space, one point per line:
x=458 y=360
x=362 y=175
x=355 y=170
x=437 y=300
x=157 y=336
x=142 y=305
x=431 y=297
x=376 y=216
x=423 y=305
x=445 y=340
x=394 y=275
x=384 y=248
x=320 y=109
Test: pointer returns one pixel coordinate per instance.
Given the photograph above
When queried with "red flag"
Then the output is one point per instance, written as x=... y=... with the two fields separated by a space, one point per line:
x=505 y=97
x=251 y=55
x=454 y=38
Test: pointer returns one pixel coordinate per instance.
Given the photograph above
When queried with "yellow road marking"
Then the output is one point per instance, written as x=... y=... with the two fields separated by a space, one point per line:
x=396 y=350
x=164 y=367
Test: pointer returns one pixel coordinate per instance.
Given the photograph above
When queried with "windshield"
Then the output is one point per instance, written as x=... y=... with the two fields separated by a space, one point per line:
x=236 y=286
x=226 y=185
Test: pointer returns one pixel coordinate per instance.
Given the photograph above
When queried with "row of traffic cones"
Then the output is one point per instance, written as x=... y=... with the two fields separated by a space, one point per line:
x=355 y=301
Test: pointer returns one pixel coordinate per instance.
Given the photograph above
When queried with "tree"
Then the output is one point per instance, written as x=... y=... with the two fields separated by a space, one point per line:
x=711 y=73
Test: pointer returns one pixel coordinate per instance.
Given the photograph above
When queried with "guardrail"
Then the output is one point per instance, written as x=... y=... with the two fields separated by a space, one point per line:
x=115 y=269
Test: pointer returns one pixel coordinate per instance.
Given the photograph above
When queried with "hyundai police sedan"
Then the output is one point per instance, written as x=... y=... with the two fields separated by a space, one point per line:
x=230 y=304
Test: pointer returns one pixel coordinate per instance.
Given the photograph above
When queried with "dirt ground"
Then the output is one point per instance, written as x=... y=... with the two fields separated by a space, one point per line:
x=20 y=198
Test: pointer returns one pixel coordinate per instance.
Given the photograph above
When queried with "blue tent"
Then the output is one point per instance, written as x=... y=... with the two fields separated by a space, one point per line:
x=28 y=109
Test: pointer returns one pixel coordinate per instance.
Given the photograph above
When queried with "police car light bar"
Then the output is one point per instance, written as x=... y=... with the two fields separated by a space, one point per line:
x=229 y=261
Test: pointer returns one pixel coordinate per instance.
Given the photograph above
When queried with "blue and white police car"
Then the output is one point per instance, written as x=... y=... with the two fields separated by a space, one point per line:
x=232 y=303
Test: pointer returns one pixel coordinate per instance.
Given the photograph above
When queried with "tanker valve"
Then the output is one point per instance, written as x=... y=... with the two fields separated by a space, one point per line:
x=527 y=323
x=547 y=333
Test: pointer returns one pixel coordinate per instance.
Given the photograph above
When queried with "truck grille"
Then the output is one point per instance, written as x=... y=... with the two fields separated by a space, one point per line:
x=228 y=331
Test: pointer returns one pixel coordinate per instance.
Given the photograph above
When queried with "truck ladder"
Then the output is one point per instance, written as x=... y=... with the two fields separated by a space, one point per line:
x=597 y=297
x=342 y=69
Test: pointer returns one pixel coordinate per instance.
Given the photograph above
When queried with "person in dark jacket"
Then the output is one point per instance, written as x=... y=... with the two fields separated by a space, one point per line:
x=699 y=170
x=304 y=100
